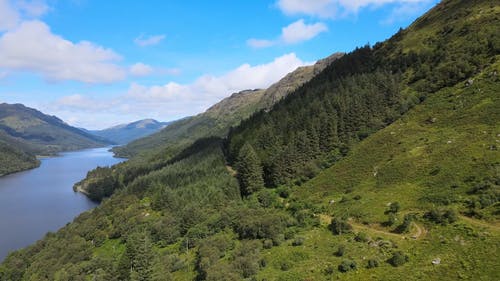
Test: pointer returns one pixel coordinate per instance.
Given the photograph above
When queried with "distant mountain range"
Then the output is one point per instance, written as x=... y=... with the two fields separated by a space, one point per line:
x=26 y=132
x=382 y=166
x=125 y=133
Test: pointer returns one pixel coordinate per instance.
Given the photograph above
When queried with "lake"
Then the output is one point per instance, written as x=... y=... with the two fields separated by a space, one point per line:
x=37 y=201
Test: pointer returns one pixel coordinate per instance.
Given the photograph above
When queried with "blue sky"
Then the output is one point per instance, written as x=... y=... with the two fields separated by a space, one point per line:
x=99 y=63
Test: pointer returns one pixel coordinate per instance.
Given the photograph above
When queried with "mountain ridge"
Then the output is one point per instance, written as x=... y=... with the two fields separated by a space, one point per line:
x=227 y=113
x=384 y=166
x=26 y=132
x=125 y=133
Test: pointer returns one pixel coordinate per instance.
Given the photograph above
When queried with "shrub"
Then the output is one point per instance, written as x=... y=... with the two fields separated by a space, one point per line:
x=405 y=226
x=267 y=244
x=394 y=207
x=398 y=258
x=362 y=237
x=372 y=263
x=347 y=265
x=340 y=251
x=298 y=241
x=441 y=217
x=340 y=226
x=284 y=266
x=329 y=270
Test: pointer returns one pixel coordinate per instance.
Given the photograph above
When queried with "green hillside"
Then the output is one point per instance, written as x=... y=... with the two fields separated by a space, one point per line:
x=217 y=120
x=384 y=166
x=125 y=133
x=26 y=132
x=14 y=160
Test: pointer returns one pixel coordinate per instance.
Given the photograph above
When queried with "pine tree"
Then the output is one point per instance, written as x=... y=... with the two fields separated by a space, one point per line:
x=249 y=170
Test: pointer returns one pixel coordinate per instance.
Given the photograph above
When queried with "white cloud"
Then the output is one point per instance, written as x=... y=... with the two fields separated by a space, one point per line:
x=31 y=46
x=294 y=33
x=320 y=8
x=9 y=17
x=260 y=43
x=140 y=69
x=333 y=8
x=149 y=41
x=33 y=8
x=171 y=100
x=298 y=31
x=209 y=89
x=405 y=11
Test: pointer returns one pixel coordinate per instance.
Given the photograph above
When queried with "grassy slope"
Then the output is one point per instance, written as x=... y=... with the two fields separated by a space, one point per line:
x=396 y=165
x=433 y=156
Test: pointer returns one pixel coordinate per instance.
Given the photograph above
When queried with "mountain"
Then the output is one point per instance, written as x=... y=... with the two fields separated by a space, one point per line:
x=125 y=133
x=15 y=159
x=25 y=132
x=217 y=120
x=384 y=166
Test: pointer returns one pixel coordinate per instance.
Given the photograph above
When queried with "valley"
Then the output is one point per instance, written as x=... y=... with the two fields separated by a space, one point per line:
x=381 y=163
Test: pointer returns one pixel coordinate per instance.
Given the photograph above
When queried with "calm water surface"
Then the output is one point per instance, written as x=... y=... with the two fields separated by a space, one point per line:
x=41 y=200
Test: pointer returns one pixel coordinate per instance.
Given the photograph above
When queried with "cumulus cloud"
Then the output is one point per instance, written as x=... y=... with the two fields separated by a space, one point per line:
x=144 y=41
x=9 y=17
x=32 y=46
x=294 y=33
x=172 y=100
x=34 y=8
x=140 y=69
x=333 y=8
x=209 y=88
x=298 y=31
x=28 y=45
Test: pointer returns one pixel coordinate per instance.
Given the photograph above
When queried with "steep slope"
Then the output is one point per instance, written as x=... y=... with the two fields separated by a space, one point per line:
x=26 y=132
x=14 y=159
x=439 y=165
x=48 y=134
x=125 y=133
x=409 y=187
x=217 y=120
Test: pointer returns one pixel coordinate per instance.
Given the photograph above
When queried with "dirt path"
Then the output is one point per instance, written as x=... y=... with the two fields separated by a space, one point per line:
x=420 y=230
x=480 y=223
x=358 y=226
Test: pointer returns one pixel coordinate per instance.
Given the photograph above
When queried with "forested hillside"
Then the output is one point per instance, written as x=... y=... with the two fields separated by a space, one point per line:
x=26 y=132
x=383 y=167
x=14 y=160
x=217 y=120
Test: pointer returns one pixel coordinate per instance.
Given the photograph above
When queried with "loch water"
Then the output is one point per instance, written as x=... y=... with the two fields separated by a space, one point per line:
x=40 y=200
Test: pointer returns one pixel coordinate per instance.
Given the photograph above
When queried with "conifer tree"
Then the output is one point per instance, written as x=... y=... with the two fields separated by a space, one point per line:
x=249 y=170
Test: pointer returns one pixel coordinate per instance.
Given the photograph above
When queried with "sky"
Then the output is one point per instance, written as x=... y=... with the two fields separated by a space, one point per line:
x=97 y=63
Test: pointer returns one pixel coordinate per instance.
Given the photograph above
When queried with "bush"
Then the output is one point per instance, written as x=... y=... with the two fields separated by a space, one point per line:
x=267 y=244
x=394 y=207
x=340 y=251
x=391 y=219
x=372 y=263
x=405 y=226
x=340 y=226
x=362 y=237
x=398 y=258
x=347 y=265
x=441 y=217
x=284 y=266
x=298 y=241
x=329 y=270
